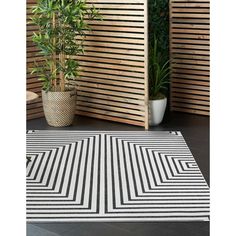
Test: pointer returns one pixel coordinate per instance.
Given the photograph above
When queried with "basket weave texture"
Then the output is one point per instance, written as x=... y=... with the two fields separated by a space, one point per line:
x=59 y=107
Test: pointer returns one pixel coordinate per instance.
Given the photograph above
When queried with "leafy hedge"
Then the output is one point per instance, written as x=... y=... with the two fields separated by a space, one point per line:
x=159 y=26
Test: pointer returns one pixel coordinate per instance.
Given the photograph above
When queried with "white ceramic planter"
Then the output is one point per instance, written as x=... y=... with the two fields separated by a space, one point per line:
x=156 y=111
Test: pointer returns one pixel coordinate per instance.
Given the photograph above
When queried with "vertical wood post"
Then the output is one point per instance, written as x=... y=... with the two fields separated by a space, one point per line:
x=146 y=83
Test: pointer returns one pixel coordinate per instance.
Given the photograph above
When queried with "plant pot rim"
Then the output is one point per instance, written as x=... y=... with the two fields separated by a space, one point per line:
x=157 y=99
x=67 y=91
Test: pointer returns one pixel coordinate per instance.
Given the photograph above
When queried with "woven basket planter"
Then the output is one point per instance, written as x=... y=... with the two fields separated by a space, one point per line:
x=59 y=107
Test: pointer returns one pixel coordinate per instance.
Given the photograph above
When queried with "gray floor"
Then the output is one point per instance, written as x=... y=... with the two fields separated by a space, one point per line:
x=195 y=130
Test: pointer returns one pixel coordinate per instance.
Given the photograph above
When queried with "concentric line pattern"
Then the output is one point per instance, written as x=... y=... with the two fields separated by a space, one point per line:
x=113 y=176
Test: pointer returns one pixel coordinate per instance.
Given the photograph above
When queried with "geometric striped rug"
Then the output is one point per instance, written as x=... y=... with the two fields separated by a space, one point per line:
x=85 y=176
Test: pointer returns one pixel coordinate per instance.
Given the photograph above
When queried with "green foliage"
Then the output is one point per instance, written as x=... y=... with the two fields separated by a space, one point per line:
x=60 y=23
x=159 y=69
x=158 y=72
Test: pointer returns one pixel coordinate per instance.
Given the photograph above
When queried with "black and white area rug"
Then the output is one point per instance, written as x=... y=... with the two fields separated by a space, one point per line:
x=89 y=176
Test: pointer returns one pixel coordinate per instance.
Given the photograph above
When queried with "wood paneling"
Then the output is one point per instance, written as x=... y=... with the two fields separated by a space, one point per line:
x=190 y=52
x=35 y=109
x=113 y=78
x=113 y=70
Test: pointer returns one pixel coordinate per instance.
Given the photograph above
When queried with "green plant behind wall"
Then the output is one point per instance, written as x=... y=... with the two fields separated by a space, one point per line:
x=158 y=72
x=158 y=46
x=60 y=23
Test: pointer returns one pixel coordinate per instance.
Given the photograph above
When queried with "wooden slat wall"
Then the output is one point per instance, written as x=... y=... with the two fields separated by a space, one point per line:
x=34 y=110
x=190 y=52
x=113 y=82
x=113 y=79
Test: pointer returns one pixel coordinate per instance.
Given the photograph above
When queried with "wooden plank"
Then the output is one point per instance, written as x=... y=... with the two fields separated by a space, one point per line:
x=117 y=28
x=133 y=2
x=191 y=86
x=191 y=36
x=190 y=15
x=109 y=107
x=190 y=46
x=114 y=34
x=117 y=12
x=181 y=10
x=190 y=91
x=34 y=111
x=189 y=71
x=190 y=4
x=34 y=105
x=110 y=118
x=189 y=110
x=190 y=62
x=146 y=67
x=115 y=40
x=86 y=57
x=181 y=75
x=118 y=78
x=190 y=1
x=116 y=6
x=190 y=81
x=111 y=87
x=112 y=82
x=190 y=56
x=138 y=103
x=117 y=23
x=188 y=96
x=190 y=20
x=35 y=116
x=111 y=103
x=110 y=92
x=192 y=101
x=191 y=41
x=111 y=113
x=191 y=106
x=191 y=31
x=122 y=18
x=113 y=56
x=31 y=86
x=190 y=51
x=192 y=67
x=112 y=72
x=190 y=26
x=112 y=66
x=115 y=50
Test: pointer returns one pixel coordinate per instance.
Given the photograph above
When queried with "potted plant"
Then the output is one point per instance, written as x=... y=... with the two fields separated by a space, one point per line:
x=159 y=71
x=61 y=28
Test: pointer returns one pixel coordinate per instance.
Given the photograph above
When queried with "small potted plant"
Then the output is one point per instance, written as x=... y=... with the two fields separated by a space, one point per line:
x=159 y=71
x=61 y=27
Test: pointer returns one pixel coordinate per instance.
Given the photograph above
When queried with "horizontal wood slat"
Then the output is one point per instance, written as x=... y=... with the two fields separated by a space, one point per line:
x=113 y=70
x=189 y=53
x=112 y=82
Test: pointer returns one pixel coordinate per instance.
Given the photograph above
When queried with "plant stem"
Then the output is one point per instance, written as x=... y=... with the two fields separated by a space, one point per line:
x=62 y=82
x=54 y=73
x=62 y=59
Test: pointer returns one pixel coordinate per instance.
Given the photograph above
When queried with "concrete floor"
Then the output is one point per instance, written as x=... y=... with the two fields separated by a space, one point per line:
x=195 y=130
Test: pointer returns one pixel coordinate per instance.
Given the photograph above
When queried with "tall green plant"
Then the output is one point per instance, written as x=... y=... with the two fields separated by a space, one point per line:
x=159 y=71
x=62 y=26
